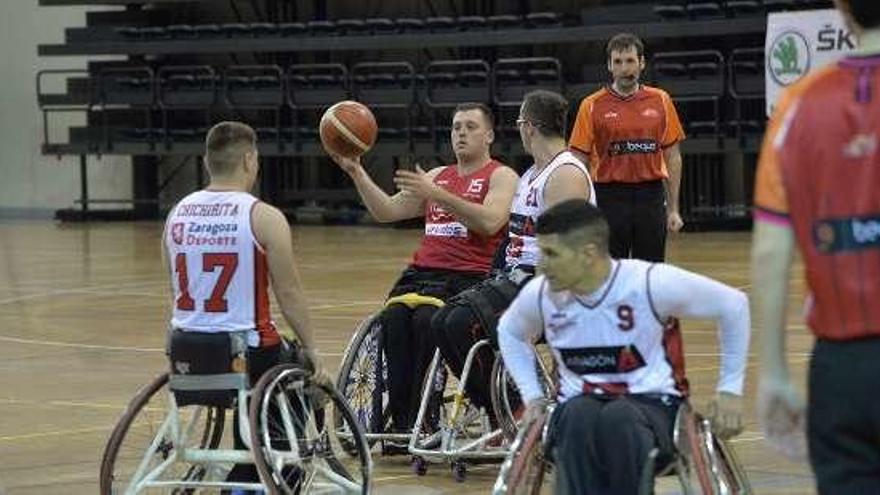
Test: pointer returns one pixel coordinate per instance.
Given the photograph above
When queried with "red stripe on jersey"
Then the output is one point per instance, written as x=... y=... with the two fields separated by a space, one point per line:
x=673 y=345
x=262 y=316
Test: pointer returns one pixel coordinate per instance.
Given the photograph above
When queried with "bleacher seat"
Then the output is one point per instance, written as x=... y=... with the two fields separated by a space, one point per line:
x=703 y=9
x=154 y=33
x=670 y=10
x=543 y=20
x=181 y=31
x=695 y=81
x=504 y=21
x=128 y=32
x=472 y=22
x=351 y=26
x=777 y=5
x=410 y=25
x=746 y=87
x=743 y=7
x=263 y=28
x=235 y=29
x=321 y=27
x=440 y=24
x=292 y=28
x=207 y=30
x=381 y=25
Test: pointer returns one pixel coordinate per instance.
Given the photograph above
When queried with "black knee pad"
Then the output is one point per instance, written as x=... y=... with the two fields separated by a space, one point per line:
x=487 y=301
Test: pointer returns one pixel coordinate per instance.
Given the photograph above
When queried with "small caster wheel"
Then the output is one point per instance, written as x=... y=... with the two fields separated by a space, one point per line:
x=459 y=471
x=419 y=465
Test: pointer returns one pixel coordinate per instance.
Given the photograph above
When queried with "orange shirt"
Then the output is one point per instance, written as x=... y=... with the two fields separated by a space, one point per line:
x=625 y=135
x=819 y=174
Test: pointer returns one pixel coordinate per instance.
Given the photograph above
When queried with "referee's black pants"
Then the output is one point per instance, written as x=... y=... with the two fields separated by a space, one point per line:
x=600 y=445
x=843 y=417
x=636 y=215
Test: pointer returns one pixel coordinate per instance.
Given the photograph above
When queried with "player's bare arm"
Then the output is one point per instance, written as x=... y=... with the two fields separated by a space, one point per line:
x=781 y=409
x=273 y=233
x=485 y=218
x=567 y=182
x=672 y=157
x=382 y=206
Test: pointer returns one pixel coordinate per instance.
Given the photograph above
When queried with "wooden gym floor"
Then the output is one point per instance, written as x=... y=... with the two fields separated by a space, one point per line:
x=82 y=327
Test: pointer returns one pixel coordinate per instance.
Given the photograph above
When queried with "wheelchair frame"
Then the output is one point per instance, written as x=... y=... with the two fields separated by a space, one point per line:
x=206 y=461
x=715 y=465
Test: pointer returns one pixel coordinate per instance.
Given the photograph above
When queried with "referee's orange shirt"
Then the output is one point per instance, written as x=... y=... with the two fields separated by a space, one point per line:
x=624 y=136
x=819 y=174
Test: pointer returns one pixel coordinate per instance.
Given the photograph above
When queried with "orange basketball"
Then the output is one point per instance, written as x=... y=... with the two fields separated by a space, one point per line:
x=348 y=128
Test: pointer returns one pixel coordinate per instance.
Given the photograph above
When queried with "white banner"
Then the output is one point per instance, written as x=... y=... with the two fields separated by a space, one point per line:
x=800 y=42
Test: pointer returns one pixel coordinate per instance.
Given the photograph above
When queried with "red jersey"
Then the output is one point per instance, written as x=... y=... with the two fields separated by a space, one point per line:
x=625 y=136
x=819 y=173
x=448 y=244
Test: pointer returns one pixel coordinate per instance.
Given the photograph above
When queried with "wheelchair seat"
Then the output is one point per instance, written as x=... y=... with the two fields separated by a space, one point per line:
x=207 y=369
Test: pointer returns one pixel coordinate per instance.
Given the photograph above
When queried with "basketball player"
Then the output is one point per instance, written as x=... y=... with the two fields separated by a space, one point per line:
x=818 y=191
x=612 y=328
x=631 y=133
x=465 y=209
x=556 y=175
x=222 y=247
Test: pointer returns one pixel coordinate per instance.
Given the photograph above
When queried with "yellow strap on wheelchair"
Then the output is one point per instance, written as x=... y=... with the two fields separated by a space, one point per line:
x=412 y=300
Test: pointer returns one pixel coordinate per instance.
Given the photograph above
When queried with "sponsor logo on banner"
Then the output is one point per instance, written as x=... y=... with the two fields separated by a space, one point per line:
x=451 y=229
x=789 y=57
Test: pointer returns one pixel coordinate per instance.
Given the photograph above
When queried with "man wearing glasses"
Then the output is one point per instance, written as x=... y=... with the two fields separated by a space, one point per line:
x=557 y=175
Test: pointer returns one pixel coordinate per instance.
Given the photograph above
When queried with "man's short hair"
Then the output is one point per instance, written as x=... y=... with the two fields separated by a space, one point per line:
x=226 y=145
x=482 y=107
x=866 y=13
x=577 y=222
x=624 y=41
x=547 y=111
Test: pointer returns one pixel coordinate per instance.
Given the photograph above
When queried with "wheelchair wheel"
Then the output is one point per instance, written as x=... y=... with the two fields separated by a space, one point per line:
x=296 y=444
x=362 y=379
x=506 y=401
x=725 y=467
x=694 y=462
x=135 y=438
x=522 y=473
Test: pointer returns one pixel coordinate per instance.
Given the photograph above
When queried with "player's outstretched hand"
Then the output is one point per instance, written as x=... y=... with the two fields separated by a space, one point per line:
x=674 y=223
x=348 y=165
x=726 y=415
x=415 y=182
x=782 y=414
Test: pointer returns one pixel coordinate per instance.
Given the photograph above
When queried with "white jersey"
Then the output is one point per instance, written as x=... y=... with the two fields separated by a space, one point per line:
x=219 y=270
x=528 y=204
x=623 y=338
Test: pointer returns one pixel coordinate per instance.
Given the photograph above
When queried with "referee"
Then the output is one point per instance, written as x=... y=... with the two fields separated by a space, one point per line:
x=818 y=188
x=630 y=134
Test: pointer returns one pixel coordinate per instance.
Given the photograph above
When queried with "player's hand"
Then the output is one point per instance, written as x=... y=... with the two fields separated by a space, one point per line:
x=726 y=415
x=674 y=223
x=415 y=182
x=350 y=166
x=782 y=414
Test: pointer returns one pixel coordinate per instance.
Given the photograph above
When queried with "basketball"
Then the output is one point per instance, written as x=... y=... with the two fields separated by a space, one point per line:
x=348 y=128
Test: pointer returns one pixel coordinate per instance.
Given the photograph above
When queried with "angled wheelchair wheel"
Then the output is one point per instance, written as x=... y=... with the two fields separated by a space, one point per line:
x=730 y=477
x=523 y=471
x=298 y=445
x=141 y=439
x=363 y=378
x=506 y=401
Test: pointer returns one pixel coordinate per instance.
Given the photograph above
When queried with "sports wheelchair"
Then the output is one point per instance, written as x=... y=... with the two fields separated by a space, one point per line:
x=448 y=427
x=703 y=463
x=169 y=438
